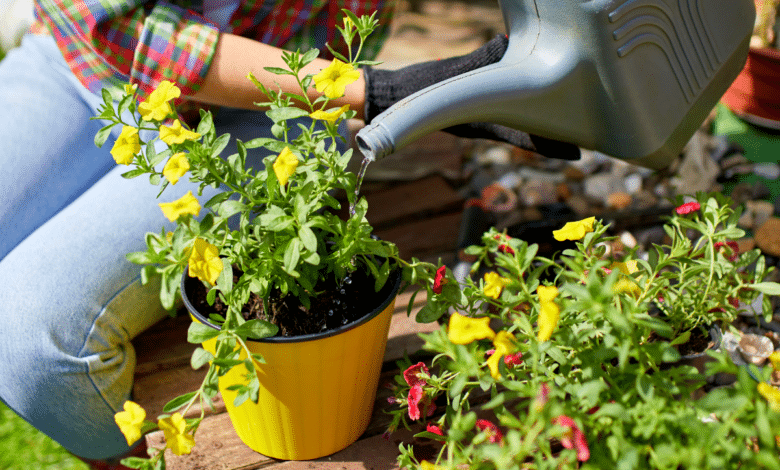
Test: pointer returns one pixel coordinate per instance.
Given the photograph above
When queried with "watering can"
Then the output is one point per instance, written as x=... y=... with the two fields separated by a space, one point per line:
x=633 y=79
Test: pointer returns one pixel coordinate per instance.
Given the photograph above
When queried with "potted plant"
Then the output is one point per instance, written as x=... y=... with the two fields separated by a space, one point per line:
x=754 y=94
x=561 y=362
x=287 y=297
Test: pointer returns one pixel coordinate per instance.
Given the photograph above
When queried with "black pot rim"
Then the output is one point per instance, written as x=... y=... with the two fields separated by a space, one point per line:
x=391 y=287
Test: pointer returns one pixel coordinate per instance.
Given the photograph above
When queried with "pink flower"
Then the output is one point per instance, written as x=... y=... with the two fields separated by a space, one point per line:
x=434 y=429
x=439 y=280
x=412 y=374
x=419 y=402
x=541 y=397
x=492 y=431
x=510 y=360
x=573 y=438
x=688 y=207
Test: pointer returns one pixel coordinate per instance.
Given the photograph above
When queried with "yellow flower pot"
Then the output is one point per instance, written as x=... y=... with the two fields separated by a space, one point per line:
x=316 y=391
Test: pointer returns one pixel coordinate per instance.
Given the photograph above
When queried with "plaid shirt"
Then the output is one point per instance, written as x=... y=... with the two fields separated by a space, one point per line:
x=108 y=43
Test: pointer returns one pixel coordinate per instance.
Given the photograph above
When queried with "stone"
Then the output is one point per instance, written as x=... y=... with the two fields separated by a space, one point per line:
x=600 y=185
x=768 y=236
x=619 y=200
x=633 y=183
x=768 y=170
x=761 y=211
x=538 y=192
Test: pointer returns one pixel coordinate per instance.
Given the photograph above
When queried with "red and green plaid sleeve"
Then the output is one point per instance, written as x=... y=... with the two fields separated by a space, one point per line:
x=110 y=42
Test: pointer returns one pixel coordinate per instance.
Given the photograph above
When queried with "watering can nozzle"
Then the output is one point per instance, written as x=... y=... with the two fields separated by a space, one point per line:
x=634 y=79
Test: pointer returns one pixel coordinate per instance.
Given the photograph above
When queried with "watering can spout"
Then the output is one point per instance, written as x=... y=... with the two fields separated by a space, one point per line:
x=633 y=79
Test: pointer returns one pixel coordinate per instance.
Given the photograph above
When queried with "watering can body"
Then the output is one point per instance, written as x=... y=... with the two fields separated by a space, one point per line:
x=633 y=79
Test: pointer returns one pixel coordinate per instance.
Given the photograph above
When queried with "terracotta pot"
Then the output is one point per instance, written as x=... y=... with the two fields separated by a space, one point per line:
x=317 y=391
x=755 y=94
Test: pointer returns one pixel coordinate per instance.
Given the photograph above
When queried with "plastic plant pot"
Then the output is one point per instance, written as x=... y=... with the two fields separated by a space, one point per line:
x=317 y=391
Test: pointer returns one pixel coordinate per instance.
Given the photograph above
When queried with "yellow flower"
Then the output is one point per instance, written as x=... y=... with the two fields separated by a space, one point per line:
x=176 y=437
x=176 y=167
x=130 y=88
x=775 y=359
x=130 y=421
x=549 y=312
x=547 y=293
x=494 y=284
x=204 y=262
x=574 y=230
x=157 y=106
x=186 y=204
x=625 y=283
x=285 y=165
x=464 y=330
x=504 y=344
x=771 y=394
x=176 y=134
x=333 y=79
x=330 y=116
x=126 y=146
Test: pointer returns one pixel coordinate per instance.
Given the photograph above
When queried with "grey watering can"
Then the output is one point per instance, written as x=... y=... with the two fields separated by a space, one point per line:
x=633 y=79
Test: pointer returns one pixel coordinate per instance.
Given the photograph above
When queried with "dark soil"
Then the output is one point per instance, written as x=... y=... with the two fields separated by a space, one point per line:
x=699 y=342
x=338 y=304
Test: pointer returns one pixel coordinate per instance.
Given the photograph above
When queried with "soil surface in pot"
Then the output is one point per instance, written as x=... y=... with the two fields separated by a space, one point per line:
x=337 y=304
x=699 y=342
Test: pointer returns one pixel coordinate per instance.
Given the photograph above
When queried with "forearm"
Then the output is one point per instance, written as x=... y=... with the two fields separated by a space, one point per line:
x=226 y=83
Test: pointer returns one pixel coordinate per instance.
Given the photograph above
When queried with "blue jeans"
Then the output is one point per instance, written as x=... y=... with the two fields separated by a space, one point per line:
x=69 y=300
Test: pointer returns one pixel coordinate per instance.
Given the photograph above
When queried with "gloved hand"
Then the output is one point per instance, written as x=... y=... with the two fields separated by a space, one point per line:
x=385 y=87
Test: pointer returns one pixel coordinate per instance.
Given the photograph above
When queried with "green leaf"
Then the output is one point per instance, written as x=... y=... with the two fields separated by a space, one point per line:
x=139 y=257
x=230 y=207
x=225 y=279
x=292 y=254
x=257 y=329
x=102 y=135
x=178 y=402
x=219 y=145
x=284 y=114
x=429 y=314
x=308 y=238
x=309 y=56
x=133 y=173
x=199 y=333
x=200 y=357
x=768 y=288
x=682 y=339
x=278 y=71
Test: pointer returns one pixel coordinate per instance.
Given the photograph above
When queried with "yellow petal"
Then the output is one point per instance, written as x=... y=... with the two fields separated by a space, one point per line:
x=771 y=394
x=185 y=205
x=130 y=421
x=285 y=165
x=574 y=230
x=176 y=437
x=204 y=261
x=504 y=344
x=549 y=314
x=547 y=293
x=330 y=116
x=425 y=465
x=176 y=134
x=334 y=78
x=157 y=106
x=494 y=284
x=176 y=167
x=464 y=330
x=127 y=146
x=775 y=359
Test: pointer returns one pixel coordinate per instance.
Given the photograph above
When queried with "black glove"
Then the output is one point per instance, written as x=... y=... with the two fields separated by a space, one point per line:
x=385 y=87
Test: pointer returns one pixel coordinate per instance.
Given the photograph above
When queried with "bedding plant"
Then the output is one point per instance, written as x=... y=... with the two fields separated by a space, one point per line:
x=273 y=252
x=573 y=361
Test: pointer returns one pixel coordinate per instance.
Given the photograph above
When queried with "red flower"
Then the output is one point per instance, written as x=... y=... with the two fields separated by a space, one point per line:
x=510 y=360
x=412 y=374
x=541 y=397
x=439 y=280
x=504 y=248
x=688 y=207
x=573 y=438
x=434 y=429
x=728 y=245
x=419 y=402
x=494 y=435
